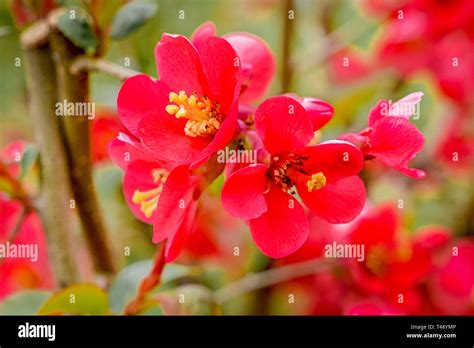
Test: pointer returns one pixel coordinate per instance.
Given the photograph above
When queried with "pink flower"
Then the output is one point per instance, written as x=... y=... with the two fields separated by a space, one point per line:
x=258 y=62
x=191 y=112
x=390 y=138
x=165 y=198
x=323 y=175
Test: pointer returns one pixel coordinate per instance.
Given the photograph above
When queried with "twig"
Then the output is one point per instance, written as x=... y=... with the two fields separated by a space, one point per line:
x=148 y=283
x=55 y=194
x=288 y=28
x=267 y=278
x=76 y=137
x=82 y=64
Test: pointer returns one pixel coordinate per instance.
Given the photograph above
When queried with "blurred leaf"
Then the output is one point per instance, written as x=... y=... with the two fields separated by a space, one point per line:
x=194 y=299
x=78 y=299
x=24 y=303
x=131 y=17
x=28 y=159
x=77 y=28
x=152 y=308
x=124 y=286
x=104 y=11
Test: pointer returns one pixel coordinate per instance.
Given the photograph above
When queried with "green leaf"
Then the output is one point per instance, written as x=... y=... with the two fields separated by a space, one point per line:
x=124 y=287
x=26 y=302
x=131 y=17
x=77 y=299
x=75 y=25
x=28 y=159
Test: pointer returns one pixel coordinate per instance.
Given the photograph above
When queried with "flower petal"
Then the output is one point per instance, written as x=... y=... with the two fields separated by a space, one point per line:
x=335 y=159
x=179 y=65
x=176 y=243
x=283 y=124
x=202 y=33
x=283 y=228
x=395 y=141
x=318 y=110
x=174 y=202
x=337 y=202
x=138 y=97
x=222 y=69
x=242 y=193
x=255 y=53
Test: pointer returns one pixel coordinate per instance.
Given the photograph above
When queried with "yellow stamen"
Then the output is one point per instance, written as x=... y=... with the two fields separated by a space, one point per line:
x=317 y=181
x=140 y=196
x=148 y=200
x=204 y=117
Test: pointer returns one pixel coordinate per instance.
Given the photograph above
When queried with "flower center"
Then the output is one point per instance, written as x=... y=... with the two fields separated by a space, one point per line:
x=376 y=260
x=289 y=170
x=204 y=116
x=317 y=181
x=148 y=200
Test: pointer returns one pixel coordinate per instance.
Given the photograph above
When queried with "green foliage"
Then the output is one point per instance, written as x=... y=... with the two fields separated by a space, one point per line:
x=84 y=299
x=26 y=302
x=29 y=158
x=76 y=26
x=131 y=17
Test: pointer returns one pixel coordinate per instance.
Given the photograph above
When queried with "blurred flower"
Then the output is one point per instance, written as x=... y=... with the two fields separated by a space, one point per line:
x=390 y=138
x=104 y=128
x=324 y=176
x=191 y=112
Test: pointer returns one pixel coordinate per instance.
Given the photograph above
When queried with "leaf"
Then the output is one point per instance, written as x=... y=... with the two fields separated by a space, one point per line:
x=131 y=17
x=77 y=299
x=76 y=26
x=26 y=302
x=124 y=287
x=104 y=11
x=28 y=159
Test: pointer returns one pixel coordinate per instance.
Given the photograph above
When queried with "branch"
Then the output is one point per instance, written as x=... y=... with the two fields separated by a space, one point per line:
x=55 y=194
x=267 y=278
x=76 y=137
x=84 y=64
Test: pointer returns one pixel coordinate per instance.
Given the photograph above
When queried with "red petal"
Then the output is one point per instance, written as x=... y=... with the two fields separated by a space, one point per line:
x=164 y=135
x=138 y=97
x=281 y=230
x=318 y=110
x=283 y=124
x=337 y=202
x=174 y=202
x=222 y=69
x=179 y=65
x=255 y=53
x=202 y=33
x=335 y=159
x=395 y=141
x=177 y=242
x=124 y=150
x=242 y=194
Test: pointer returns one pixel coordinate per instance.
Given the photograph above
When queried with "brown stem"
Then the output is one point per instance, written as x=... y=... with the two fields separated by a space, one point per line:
x=288 y=28
x=82 y=64
x=76 y=136
x=148 y=283
x=55 y=193
x=264 y=279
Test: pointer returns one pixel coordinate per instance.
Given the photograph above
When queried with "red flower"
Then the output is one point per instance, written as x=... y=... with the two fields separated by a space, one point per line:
x=324 y=176
x=191 y=112
x=166 y=198
x=394 y=265
x=390 y=138
x=104 y=128
x=258 y=63
x=452 y=287
x=22 y=273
